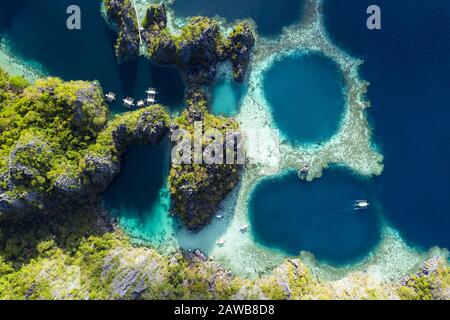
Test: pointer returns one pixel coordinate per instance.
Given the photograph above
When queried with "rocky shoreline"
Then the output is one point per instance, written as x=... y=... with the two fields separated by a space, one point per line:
x=196 y=51
x=196 y=190
x=58 y=169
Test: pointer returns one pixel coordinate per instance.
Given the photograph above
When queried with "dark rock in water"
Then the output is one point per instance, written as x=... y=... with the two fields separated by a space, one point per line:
x=200 y=255
x=199 y=47
x=242 y=42
x=198 y=189
x=197 y=51
x=122 y=13
x=161 y=45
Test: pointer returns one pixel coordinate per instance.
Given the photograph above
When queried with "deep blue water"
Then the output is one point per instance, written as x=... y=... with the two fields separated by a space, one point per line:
x=135 y=190
x=408 y=66
x=37 y=31
x=270 y=16
x=319 y=217
x=305 y=93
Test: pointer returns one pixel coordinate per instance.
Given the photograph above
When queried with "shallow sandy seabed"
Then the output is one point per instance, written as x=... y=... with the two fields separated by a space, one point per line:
x=351 y=147
x=17 y=67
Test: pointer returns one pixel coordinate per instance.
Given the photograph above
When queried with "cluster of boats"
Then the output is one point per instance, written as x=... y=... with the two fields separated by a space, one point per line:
x=129 y=102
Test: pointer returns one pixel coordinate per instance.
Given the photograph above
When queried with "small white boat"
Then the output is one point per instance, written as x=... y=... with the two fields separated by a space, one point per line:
x=244 y=228
x=219 y=216
x=220 y=242
x=361 y=204
x=128 y=102
x=151 y=91
x=110 y=96
x=140 y=103
x=151 y=95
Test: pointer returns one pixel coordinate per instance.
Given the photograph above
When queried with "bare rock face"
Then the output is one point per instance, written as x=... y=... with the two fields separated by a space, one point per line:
x=100 y=170
x=24 y=169
x=149 y=129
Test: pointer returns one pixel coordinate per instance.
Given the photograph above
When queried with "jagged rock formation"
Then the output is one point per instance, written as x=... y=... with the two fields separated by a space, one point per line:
x=198 y=189
x=57 y=149
x=199 y=47
x=123 y=15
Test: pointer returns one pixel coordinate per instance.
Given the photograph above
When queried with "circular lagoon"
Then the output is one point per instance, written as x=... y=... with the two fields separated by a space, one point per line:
x=270 y=16
x=320 y=216
x=306 y=96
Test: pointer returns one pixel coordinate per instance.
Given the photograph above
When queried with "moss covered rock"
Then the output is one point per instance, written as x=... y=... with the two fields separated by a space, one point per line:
x=57 y=148
x=123 y=16
x=198 y=48
x=197 y=189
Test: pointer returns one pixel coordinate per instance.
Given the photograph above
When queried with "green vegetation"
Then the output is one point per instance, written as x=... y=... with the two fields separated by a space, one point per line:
x=198 y=189
x=430 y=287
x=73 y=256
x=56 y=143
x=198 y=47
x=47 y=128
x=124 y=17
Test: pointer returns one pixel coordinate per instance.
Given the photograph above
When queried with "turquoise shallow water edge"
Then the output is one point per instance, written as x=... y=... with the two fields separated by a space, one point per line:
x=409 y=113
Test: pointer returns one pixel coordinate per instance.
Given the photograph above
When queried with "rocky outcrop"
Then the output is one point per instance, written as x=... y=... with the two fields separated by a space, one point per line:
x=123 y=15
x=197 y=51
x=53 y=168
x=199 y=47
x=161 y=45
x=198 y=189
x=242 y=42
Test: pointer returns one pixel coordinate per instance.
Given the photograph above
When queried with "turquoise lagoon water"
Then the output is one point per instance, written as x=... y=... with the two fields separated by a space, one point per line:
x=319 y=216
x=270 y=16
x=138 y=197
x=37 y=33
x=226 y=97
x=305 y=92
